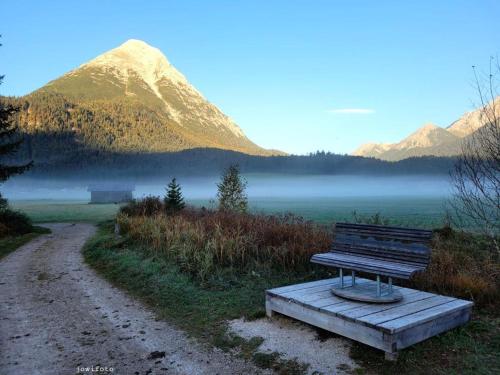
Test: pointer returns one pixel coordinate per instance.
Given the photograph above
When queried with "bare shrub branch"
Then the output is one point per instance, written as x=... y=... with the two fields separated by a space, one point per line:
x=476 y=176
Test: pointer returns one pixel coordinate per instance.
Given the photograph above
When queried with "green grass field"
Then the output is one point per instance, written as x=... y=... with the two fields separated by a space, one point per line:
x=42 y=211
x=412 y=212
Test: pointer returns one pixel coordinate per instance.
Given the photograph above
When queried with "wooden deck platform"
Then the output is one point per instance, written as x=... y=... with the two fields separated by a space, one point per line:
x=389 y=327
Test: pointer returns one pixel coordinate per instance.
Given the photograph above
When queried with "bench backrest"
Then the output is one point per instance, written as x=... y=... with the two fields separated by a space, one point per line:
x=404 y=245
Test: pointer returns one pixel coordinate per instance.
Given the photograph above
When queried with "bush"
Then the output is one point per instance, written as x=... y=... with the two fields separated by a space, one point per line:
x=203 y=241
x=147 y=206
x=14 y=223
x=231 y=191
x=375 y=219
x=4 y=230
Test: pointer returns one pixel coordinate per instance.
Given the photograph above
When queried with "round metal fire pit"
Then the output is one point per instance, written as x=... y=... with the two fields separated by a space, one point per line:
x=367 y=293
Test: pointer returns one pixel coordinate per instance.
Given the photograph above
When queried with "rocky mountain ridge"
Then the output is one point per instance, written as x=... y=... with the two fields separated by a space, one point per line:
x=430 y=139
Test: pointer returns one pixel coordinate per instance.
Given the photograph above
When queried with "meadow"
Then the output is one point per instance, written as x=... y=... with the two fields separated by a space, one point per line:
x=43 y=211
x=426 y=212
x=416 y=201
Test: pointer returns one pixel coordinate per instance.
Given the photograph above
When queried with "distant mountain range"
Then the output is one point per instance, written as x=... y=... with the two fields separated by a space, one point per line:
x=429 y=140
x=129 y=99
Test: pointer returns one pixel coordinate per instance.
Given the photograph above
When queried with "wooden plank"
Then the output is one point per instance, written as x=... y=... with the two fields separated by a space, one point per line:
x=384 y=254
x=337 y=325
x=412 y=296
x=381 y=227
x=338 y=307
x=388 y=235
x=349 y=239
x=432 y=327
x=309 y=294
x=381 y=248
x=420 y=317
x=328 y=301
x=305 y=285
x=309 y=291
x=385 y=236
x=403 y=260
x=318 y=292
x=364 y=264
x=404 y=310
x=394 y=265
x=311 y=304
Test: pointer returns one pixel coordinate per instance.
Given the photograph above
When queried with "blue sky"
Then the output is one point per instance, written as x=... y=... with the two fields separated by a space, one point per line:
x=287 y=72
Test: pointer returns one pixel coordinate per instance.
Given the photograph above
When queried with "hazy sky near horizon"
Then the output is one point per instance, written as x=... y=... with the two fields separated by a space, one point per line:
x=298 y=76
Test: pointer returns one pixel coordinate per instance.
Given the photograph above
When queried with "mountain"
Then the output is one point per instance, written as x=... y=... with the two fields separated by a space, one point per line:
x=471 y=121
x=129 y=99
x=430 y=139
x=371 y=149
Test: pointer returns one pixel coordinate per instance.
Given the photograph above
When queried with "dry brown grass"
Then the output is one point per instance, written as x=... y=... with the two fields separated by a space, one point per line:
x=201 y=241
x=462 y=265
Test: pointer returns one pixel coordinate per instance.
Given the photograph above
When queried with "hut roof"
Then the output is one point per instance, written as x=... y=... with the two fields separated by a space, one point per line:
x=116 y=186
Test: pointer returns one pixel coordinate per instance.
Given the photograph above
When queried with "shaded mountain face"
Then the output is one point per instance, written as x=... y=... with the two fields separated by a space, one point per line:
x=129 y=99
x=429 y=140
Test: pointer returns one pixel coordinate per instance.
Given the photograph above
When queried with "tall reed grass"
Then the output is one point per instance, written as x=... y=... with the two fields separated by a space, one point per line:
x=201 y=241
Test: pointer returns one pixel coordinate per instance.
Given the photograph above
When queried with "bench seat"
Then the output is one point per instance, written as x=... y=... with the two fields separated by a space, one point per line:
x=367 y=264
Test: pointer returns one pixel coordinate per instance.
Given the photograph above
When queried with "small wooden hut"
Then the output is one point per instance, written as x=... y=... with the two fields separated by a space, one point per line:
x=110 y=193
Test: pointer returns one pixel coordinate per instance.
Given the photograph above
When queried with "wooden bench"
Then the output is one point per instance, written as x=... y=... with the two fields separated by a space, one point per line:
x=381 y=250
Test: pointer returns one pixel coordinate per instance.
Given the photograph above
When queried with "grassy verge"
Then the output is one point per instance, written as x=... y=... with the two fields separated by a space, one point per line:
x=201 y=306
x=10 y=243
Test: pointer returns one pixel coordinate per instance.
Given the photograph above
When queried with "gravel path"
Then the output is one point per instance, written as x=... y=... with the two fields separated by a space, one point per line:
x=57 y=316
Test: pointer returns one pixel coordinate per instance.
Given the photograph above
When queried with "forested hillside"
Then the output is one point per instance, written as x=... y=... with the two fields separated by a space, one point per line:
x=204 y=161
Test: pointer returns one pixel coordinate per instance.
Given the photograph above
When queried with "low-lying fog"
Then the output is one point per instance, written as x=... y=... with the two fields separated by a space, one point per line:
x=259 y=186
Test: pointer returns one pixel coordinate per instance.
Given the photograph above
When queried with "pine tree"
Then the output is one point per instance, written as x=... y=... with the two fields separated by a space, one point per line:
x=231 y=191
x=174 y=201
x=10 y=140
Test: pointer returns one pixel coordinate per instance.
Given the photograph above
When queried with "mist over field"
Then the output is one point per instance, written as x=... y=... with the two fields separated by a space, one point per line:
x=259 y=186
x=405 y=200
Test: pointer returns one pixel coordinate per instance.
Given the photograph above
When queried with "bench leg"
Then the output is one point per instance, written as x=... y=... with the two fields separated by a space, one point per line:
x=378 y=285
x=341 y=275
x=269 y=312
x=391 y=356
x=353 y=278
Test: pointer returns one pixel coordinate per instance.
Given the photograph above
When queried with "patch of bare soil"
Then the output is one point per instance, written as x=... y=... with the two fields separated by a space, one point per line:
x=299 y=342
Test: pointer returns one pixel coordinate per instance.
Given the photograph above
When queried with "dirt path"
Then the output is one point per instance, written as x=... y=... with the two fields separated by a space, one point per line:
x=57 y=315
